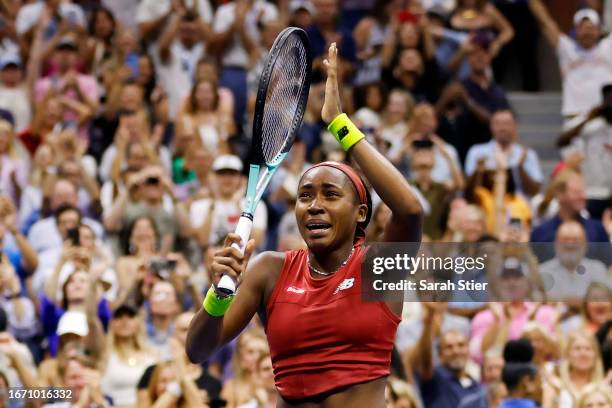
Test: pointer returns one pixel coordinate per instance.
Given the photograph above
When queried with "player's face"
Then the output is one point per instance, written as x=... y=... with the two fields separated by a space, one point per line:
x=327 y=210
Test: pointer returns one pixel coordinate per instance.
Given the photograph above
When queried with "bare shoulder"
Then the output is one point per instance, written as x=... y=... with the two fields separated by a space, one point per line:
x=265 y=264
x=264 y=269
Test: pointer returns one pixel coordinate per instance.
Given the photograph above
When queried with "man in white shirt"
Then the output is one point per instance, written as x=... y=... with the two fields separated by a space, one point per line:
x=153 y=15
x=568 y=276
x=585 y=63
x=213 y=218
x=13 y=93
x=30 y=15
x=592 y=136
x=48 y=232
x=236 y=38
x=504 y=148
x=181 y=46
x=157 y=18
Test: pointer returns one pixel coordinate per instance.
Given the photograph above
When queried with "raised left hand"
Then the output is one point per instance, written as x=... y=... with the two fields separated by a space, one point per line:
x=331 y=106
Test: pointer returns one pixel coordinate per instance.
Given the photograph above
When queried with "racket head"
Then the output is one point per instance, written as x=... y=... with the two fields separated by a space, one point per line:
x=282 y=96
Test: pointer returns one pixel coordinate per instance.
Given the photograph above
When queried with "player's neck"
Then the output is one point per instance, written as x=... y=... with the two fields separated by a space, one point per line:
x=331 y=261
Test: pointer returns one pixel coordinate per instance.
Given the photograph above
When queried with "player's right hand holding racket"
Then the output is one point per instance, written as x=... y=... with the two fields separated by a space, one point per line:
x=230 y=261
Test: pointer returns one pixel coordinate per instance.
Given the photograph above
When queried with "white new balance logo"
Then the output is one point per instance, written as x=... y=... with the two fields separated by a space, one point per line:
x=295 y=290
x=346 y=284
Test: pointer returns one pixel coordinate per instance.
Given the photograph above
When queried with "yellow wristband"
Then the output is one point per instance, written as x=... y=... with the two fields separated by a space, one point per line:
x=345 y=131
x=214 y=305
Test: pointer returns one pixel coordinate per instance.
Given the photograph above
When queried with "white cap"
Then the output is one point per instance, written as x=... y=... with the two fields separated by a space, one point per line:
x=73 y=322
x=10 y=58
x=368 y=118
x=296 y=5
x=227 y=162
x=587 y=13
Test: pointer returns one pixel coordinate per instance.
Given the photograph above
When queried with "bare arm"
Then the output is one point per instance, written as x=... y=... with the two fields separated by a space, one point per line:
x=566 y=137
x=405 y=224
x=149 y=29
x=166 y=40
x=423 y=354
x=505 y=30
x=83 y=110
x=458 y=182
x=531 y=186
x=112 y=220
x=24 y=370
x=240 y=28
x=429 y=45
x=499 y=194
x=548 y=26
x=29 y=255
x=52 y=284
x=207 y=333
x=390 y=45
x=203 y=232
x=34 y=62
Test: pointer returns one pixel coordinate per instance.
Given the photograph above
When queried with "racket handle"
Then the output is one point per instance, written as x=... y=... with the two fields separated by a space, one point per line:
x=227 y=286
x=245 y=224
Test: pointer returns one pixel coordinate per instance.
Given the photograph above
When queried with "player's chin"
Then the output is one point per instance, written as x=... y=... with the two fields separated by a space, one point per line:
x=318 y=239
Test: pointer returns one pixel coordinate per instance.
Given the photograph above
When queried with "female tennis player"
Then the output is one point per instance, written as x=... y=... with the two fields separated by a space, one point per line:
x=329 y=348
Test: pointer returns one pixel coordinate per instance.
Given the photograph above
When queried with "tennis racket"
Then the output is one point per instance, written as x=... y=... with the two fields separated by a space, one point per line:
x=279 y=110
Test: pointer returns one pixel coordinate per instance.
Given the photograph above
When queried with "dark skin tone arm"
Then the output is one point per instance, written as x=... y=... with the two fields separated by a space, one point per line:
x=566 y=137
x=405 y=223
x=150 y=29
x=207 y=333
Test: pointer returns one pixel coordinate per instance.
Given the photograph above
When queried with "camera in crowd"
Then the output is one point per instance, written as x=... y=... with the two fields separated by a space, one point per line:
x=163 y=267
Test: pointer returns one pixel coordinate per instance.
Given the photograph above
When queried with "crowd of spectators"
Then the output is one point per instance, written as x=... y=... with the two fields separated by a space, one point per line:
x=125 y=128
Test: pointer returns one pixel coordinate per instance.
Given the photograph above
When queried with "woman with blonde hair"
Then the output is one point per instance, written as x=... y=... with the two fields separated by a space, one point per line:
x=580 y=366
x=546 y=348
x=400 y=394
x=127 y=357
x=545 y=206
x=595 y=396
x=595 y=310
x=242 y=388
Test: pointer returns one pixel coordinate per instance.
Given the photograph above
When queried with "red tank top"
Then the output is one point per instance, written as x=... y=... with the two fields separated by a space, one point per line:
x=322 y=335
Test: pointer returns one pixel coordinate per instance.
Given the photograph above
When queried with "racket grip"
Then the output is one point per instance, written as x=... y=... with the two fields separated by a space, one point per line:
x=227 y=286
x=245 y=224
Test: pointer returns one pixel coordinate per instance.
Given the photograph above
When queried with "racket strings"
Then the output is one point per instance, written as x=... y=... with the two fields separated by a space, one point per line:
x=283 y=98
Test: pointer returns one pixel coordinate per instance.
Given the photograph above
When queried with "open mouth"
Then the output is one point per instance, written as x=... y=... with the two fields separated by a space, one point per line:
x=318 y=226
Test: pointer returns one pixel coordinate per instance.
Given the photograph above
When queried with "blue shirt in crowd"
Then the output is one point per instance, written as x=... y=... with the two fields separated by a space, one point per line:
x=445 y=390
x=518 y=403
